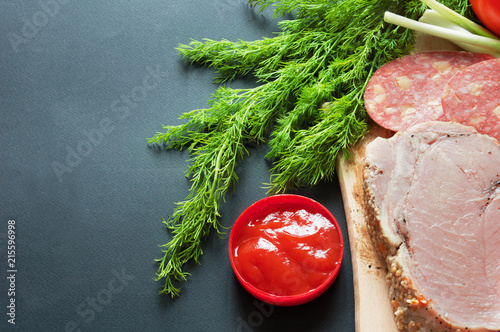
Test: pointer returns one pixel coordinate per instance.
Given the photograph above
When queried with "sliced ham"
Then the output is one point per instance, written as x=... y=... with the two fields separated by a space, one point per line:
x=408 y=90
x=433 y=200
x=472 y=97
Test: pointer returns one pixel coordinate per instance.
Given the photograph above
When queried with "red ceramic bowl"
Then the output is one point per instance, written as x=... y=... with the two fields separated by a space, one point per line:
x=258 y=211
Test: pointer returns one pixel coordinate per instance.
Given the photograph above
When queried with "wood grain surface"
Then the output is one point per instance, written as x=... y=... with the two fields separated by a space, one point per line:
x=373 y=312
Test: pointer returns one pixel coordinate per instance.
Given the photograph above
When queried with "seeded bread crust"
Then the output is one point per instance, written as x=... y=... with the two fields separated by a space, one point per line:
x=412 y=311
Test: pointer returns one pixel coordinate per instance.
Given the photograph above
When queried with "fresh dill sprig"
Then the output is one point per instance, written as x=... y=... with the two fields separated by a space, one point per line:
x=312 y=77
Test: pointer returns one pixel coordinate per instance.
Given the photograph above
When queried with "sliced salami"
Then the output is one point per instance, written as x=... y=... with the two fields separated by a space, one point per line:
x=472 y=97
x=408 y=90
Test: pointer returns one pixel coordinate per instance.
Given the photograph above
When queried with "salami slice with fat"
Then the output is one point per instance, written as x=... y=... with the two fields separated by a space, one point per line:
x=472 y=97
x=408 y=90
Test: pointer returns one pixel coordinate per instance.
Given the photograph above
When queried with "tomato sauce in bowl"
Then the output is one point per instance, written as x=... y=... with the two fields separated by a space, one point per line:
x=286 y=249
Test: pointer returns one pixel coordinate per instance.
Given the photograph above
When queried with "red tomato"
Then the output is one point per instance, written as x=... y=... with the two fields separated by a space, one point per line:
x=488 y=11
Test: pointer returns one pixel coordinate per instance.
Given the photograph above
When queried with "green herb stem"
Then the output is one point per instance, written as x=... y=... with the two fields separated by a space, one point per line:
x=308 y=107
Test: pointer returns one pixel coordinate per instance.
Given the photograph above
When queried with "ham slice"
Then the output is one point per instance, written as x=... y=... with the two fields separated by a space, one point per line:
x=433 y=200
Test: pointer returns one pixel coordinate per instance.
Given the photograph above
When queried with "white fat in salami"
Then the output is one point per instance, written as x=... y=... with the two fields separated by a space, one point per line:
x=408 y=90
x=472 y=97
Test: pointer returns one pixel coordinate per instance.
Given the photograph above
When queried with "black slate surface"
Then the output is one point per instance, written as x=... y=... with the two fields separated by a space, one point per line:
x=82 y=85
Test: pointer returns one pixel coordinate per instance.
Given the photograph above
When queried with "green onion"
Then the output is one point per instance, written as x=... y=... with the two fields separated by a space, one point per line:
x=488 y=45
x=452 y=16
x=433 y=17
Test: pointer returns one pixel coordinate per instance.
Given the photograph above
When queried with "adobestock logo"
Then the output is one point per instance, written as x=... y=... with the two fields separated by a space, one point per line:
x=119 y=110
x=225 y=7
x=255 y=318
x=88 y=310
x=48 y=10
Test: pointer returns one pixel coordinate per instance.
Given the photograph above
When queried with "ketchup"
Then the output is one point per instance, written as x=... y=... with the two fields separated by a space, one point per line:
x=288 y=252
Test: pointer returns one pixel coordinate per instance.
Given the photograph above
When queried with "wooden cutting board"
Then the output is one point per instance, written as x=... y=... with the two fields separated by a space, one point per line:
x=373 y=312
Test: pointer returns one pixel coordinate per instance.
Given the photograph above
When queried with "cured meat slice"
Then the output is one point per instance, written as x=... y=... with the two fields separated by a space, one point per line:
x=472 y=97
x=408 y=90
x=433 y=201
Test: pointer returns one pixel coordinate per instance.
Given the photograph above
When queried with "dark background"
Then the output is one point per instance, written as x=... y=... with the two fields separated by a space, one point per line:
x=88 y=194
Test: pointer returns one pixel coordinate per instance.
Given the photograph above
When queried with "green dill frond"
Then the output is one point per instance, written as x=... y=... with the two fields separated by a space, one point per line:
x=308 y=106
